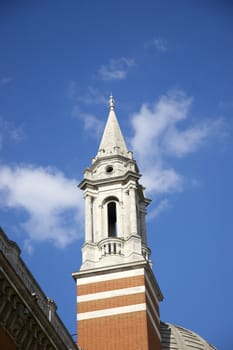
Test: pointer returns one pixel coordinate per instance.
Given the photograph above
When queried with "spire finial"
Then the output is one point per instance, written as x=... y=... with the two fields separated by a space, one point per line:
x=111 y=103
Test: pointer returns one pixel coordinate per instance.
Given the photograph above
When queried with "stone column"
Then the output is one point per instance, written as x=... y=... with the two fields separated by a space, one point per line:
x=143 y=224
x=133 y=211
x=88 y=218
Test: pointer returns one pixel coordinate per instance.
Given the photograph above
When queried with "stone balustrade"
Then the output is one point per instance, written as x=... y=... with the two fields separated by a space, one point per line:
x=111 y=246
x=146 y=252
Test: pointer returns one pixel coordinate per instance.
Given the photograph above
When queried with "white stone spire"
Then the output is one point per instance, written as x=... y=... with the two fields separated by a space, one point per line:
x=112 y=140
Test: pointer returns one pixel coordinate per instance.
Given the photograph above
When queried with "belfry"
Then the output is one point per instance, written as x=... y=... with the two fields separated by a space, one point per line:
x=117 y=293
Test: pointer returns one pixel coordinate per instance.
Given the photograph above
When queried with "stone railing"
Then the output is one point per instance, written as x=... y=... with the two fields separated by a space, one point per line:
x=146 y=252
x=111 y=246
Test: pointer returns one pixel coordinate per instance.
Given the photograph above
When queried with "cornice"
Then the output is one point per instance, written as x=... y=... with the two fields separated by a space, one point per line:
x=117 y=179
x=26 y=314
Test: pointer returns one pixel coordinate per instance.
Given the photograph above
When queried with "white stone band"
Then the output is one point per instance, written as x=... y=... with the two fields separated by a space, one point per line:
x=117 y=311
x=109 y=276
x=152 y=306
x=111 y=294
x=154 y=325
x=151 y=289
x=111 y=312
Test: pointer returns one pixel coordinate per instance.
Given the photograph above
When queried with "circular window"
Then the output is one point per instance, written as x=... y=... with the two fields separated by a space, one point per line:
x=109 y=169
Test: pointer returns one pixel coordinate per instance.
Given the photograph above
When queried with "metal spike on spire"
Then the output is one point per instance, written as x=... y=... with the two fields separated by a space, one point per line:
x=111 y=103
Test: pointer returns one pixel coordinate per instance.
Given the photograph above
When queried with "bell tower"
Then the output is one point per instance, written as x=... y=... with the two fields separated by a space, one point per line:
x=117 y=293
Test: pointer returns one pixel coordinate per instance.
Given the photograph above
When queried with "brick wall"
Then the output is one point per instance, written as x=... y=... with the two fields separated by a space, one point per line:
x=117 y=313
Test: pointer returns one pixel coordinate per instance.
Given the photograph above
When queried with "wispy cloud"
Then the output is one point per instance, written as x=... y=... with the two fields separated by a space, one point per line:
x=8 y=131
x=72 y=89
x=52 y=205
x=158 y=44
x=181 y=142
x=159 y=133
x=160 y=207
x=116 y=69
x=92 y=123
x=91 y=96
x=5 y=81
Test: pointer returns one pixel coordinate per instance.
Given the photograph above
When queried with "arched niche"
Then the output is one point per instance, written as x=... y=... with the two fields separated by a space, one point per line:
x=111 y=207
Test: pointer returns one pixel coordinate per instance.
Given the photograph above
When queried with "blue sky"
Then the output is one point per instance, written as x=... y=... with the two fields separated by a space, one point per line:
x=169 y=67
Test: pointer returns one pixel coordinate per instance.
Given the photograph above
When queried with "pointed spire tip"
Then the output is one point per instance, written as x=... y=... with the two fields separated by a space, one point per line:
x=111 y=103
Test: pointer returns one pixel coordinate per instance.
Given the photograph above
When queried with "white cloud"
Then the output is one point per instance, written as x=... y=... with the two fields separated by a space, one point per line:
x=8 y=131
x=92 y=96
x=51 y=202
x=181 y=142
x=161 y=206
x=92 y=123
x=116 y=69
x=158 y=179
x=158 y=44
x=159 y=132
x=152 y=122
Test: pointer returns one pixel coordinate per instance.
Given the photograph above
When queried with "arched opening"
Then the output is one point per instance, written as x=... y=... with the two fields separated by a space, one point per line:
x=112 y=220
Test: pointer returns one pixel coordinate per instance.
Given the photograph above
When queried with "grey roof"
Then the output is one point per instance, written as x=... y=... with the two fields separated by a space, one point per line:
x=179 y=338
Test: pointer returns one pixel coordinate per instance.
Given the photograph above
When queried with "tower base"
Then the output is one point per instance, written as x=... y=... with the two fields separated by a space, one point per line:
x=118 y=308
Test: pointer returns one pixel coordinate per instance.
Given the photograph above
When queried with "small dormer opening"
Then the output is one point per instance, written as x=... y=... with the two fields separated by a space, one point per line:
x=109 y=169
x=112 y=220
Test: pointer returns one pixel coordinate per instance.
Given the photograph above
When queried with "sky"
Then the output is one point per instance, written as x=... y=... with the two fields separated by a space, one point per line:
x=169 y=67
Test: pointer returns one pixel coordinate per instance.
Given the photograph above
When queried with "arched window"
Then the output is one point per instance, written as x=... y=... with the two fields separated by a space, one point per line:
x=112 y=220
